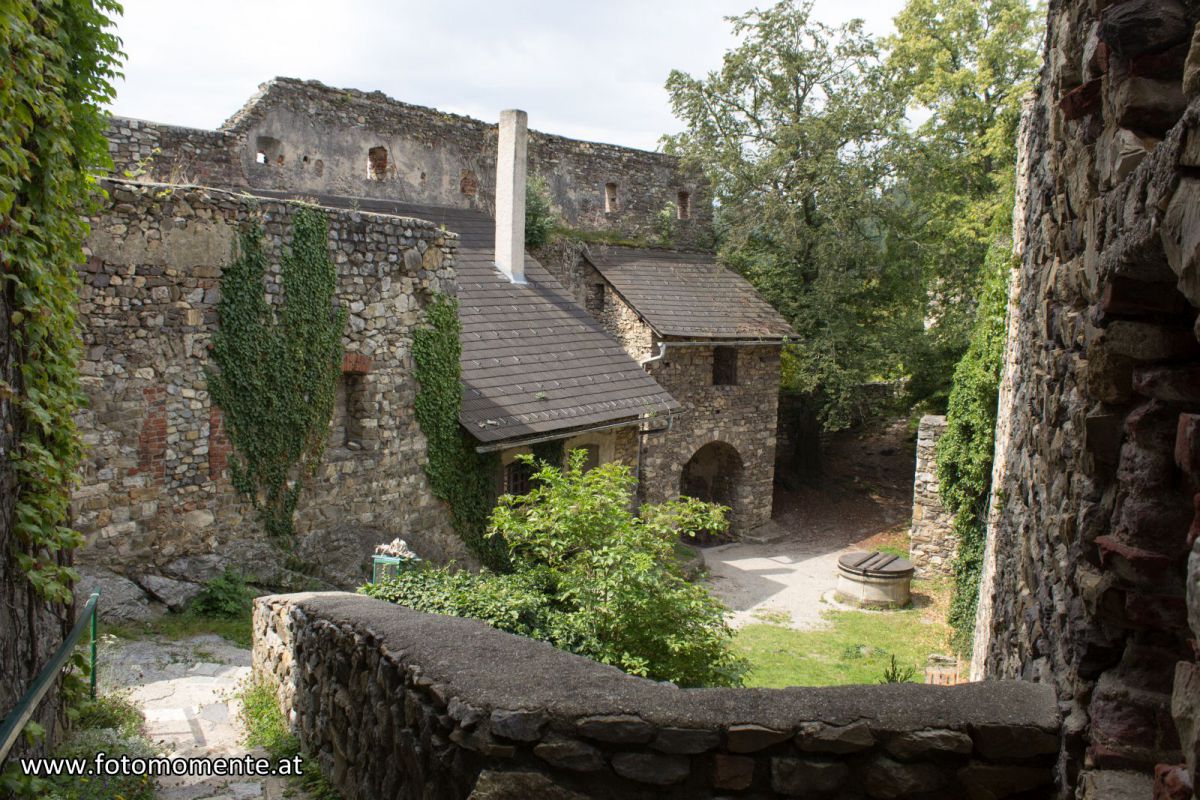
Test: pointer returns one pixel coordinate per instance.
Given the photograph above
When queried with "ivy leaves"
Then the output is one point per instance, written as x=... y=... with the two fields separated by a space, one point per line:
x=277 y=368
x=462 y=478
x=62 y=58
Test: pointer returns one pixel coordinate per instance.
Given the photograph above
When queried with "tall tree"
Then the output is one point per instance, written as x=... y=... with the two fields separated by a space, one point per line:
x=793 y=131
x=963 y=66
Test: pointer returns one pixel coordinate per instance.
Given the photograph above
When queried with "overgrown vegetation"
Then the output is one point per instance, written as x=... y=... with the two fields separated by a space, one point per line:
x=964 y=453
x=276 y=367
x=61 y=60
x=224 y=597
x=459 y=476
x=857 y=227
x=109 y=724
x=590 y=576
x=267 y=728
x=539 y=217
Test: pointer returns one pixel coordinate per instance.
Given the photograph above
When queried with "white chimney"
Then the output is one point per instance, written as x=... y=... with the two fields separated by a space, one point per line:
x=510 y=194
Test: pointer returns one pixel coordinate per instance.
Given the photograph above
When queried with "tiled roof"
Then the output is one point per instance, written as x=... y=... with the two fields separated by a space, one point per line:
x=688 y=294
x=533 y=361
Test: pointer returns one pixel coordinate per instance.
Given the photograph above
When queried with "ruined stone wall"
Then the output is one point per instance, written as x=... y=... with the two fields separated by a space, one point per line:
x=931 y=538
x=742 y=416
x=143 y=150
x=155 y=502
x=318 y=139
x=1088 y=586
x=396 y=703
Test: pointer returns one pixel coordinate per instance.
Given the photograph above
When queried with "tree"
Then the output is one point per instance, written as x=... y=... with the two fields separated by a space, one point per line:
x=793 y=131
x=276 y=370
x=964 y=65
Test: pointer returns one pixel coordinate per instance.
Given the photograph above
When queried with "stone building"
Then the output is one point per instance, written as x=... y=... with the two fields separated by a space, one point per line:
x=419 y=202
x=932 y=545
x=1087 y=582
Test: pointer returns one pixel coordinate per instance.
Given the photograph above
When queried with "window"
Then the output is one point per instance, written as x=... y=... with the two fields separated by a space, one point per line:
x=268 y=150
x=610 y=198
x=517 y=475
x=349 y=411
x=593 y=456
x=595 y=299
x=685 y=205
x=724 y=366
x=377 y=163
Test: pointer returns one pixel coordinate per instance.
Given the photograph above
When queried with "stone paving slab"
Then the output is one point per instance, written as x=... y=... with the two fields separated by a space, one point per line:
x=187 y=691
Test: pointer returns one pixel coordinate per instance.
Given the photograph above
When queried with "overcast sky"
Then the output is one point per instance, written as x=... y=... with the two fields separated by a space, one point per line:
x=590 y=70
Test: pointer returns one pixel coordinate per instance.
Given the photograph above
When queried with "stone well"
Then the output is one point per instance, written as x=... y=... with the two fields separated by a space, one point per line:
x=874 y=579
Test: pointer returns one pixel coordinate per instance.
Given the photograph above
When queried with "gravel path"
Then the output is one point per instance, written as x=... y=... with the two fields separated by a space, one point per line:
x=186 y=690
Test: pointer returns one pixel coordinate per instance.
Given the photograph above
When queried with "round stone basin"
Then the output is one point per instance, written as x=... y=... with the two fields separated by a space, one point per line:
x=874 y=579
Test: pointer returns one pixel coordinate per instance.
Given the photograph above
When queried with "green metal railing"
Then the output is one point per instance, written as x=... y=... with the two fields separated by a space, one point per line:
x=15 y=722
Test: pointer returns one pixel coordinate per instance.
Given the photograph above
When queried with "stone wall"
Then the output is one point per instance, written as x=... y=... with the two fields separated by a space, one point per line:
x=931 y=538
x=155 y=501
x=396 y=703
x=1087 y=585
x=303 y=136
x=741 y=417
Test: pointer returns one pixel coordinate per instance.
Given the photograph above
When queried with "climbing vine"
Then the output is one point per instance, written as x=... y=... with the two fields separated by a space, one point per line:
x=277 y=368
x=964 y=453
x=550 y=452
x=461 y=477
x=61 y=59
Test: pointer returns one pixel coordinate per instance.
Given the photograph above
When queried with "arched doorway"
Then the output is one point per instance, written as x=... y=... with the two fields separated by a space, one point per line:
x=713 y=474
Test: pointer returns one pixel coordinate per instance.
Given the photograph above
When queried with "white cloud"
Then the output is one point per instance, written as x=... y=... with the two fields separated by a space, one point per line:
x=587 y=70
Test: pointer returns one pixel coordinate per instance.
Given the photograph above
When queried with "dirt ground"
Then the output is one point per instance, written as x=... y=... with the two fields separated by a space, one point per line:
x=864 y=501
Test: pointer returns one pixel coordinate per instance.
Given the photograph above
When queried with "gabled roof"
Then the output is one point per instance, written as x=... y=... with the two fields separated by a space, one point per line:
x=688 y=294
x=533 y=362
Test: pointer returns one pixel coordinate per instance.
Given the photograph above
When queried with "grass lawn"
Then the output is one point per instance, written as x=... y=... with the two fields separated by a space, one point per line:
x=184 y=625
x=856 y=648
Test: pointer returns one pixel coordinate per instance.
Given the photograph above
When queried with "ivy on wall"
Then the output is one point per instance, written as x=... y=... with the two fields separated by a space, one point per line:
x=61 y=59
x=277 y=369
x=462 y=478
x=965 y=451
x=550 y=452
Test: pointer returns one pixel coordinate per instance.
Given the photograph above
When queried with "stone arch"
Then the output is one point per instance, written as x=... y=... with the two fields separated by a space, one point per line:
x=716 y=474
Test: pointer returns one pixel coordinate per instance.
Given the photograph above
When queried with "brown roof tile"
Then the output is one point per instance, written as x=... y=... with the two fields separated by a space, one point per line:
x=688 y=294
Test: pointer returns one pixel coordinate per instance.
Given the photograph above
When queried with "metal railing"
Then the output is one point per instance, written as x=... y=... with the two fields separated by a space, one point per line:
x=15 y=722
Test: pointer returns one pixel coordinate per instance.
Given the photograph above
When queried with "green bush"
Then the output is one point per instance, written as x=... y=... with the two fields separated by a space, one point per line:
x=86 y=744
x=964 y=453
x=110 y=711
x=513 y=602
x=539 y=217
x=591 y=577
x=224 y=597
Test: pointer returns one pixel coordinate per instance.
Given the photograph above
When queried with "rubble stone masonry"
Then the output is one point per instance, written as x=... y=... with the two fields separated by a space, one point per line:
x=1088 y=585
x=931 y=537
x=155 y=497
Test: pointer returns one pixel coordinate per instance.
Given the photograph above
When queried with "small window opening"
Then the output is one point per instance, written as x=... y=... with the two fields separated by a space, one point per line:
x=685 y=205
x=595 y=298
x=377 y=163
x=724 y=366
x=268 y=150
x=593 y=457
x=349 y=412
x=610 y=198
x=517 y=476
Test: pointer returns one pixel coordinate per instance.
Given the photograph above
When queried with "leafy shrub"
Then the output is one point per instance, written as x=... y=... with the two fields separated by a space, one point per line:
x=86 y=744
x=517 y=602
x=897 y=674
x=539 y=217
x=111 y=711
x=592 y=577
x=225 y=597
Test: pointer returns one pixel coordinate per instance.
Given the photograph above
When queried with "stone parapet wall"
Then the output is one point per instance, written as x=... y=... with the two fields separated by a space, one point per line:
x=396 y=703
x=931 y=537
x=1087 y=584
x=143 y=150
x=154 y=500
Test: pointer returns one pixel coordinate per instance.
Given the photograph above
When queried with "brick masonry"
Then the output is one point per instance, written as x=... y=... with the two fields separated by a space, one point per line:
x=1087 y=582
x=155 y=497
